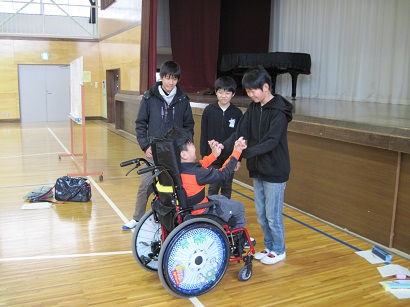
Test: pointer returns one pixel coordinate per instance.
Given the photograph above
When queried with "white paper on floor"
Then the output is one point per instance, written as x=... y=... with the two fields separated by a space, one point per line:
x=33 y=206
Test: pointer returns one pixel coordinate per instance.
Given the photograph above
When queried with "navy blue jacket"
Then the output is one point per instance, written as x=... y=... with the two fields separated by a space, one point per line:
x=155 y=117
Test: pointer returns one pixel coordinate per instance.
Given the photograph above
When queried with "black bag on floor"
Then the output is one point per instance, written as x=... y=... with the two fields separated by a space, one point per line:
x=72 y=189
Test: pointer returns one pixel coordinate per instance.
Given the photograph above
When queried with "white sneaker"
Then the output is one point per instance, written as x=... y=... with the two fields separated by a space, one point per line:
x=129 y=225
x=261 y=254
x=273 y=258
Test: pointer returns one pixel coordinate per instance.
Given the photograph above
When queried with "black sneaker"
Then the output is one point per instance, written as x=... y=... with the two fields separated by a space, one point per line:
x=246 y=244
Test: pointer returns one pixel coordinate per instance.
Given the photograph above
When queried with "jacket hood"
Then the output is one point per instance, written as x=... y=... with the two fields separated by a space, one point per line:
x=154 y=91
x=282 y=104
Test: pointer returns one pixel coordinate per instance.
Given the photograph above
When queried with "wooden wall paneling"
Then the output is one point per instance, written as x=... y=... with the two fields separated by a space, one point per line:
x=197 y=114
x=123 y=51
x=9 y=100
x=126 y=109
x=349 y=185
x=7 y=53
x=401 y=239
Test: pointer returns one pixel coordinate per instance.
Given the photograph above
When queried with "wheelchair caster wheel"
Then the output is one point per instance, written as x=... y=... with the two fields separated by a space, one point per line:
x=245 y=273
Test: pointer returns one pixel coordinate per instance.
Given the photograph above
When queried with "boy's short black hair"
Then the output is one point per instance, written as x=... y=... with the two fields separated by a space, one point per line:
x=255 y=78
x=226 y=83
x=183 y=137
x=170 y=68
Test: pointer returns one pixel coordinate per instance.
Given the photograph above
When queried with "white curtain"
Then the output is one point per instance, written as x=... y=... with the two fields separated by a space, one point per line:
x=360 y=49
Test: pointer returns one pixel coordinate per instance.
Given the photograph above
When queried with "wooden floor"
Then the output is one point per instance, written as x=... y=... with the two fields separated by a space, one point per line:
x=76 y=254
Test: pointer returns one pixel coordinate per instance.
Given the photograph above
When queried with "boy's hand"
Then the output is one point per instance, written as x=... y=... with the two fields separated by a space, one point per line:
x=240 y=144
x=216 y=147
x=237 y=167
x=148 y=152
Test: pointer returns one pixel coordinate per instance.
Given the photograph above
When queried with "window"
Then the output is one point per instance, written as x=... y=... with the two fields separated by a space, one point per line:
x=46 y=7
x=106 y=3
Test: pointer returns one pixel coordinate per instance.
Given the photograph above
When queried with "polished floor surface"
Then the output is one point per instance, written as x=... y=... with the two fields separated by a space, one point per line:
x=75 y=254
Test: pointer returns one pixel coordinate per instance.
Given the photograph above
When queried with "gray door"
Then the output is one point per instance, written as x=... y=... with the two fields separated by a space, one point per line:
x=44 y=92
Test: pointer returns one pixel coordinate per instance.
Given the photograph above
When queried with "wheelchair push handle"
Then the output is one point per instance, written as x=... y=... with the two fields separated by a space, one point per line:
x=129 y=162
x=146 y=169
x=136 y=161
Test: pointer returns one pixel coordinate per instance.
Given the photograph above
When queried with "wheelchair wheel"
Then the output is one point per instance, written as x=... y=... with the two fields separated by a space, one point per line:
x=193 y=258
x=245 y=273
x=146 y=242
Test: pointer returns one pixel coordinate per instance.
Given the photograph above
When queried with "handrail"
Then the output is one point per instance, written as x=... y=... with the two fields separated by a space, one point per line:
x=15 y=13
x=58 y=25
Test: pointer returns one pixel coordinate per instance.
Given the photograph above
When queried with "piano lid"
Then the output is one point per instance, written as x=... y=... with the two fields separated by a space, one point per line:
x=278 y=60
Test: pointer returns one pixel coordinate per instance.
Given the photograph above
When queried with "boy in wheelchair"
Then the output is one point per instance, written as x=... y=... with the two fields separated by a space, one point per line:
x=187 y=237
x=195 y=175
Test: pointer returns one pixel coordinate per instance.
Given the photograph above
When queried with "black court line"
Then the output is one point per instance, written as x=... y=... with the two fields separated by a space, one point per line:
x=308 y=226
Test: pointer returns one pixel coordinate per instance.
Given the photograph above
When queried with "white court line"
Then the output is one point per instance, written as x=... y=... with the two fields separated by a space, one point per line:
x=109 y=201
x=64 y=256
x=58 y=140
x=196 y=302
x=193 y=300
x=32 y=155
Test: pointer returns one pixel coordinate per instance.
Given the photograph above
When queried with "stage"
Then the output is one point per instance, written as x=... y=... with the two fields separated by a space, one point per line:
x=364 y=114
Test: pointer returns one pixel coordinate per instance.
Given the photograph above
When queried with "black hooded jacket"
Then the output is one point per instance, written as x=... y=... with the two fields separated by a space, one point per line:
x=155 y=117
x=218 y=125
x=265 y=129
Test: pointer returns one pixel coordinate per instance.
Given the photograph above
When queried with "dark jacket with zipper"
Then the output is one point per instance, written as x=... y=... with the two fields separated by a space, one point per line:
x=265 y=129
x=218 y=125
x=156 y=117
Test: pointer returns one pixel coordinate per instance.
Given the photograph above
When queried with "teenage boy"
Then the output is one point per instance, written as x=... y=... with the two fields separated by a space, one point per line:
x=264 y=125
x=219 y=121
x=162 y=107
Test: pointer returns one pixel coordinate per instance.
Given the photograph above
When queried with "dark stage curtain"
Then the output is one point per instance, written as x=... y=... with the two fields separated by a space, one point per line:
x=148 y=44
x=194 y=39
x=152 y=53
x=245 y=26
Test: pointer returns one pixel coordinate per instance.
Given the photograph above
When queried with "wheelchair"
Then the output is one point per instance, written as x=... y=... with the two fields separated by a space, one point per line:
x=189 y=252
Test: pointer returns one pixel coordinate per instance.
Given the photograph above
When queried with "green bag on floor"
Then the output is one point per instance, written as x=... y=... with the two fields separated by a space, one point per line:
x=40 y=194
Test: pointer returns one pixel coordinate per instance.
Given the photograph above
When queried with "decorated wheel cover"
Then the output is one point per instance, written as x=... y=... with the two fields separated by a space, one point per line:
x=195 y=259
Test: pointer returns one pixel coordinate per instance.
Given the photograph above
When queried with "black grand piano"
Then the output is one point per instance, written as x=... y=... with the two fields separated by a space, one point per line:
x=275 y=63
